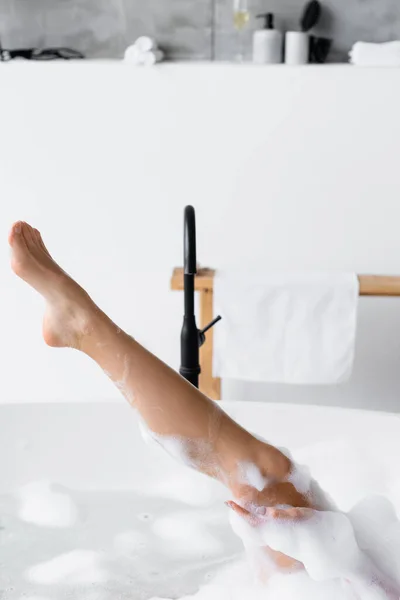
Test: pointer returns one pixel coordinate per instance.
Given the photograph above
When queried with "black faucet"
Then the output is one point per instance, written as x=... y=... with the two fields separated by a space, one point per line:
x=191 y=337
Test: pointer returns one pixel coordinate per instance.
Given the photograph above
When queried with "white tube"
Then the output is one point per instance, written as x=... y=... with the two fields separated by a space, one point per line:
x=297 y=48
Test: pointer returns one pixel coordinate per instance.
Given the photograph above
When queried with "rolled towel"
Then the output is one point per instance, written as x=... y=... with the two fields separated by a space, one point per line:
x=365 y=54
x=133 y=55
x=146 y=44
x=146 y=59
x=151 y=58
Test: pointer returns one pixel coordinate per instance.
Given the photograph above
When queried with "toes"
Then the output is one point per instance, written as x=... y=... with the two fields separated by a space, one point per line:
x=38 y=239
x=17 y=227
x=41 y=242
x=14 y=232
x=29 y=234
x=25 y=242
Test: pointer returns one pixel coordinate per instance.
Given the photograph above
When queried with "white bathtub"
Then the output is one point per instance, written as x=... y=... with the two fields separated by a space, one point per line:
x=96 y=453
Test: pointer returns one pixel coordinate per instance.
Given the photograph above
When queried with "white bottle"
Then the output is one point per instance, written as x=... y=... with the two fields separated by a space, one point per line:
x=267 y=43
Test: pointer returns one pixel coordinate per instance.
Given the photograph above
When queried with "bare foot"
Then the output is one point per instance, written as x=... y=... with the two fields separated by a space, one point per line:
x=68 y=306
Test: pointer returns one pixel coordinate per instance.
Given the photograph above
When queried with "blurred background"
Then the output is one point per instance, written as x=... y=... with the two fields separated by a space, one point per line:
x=186 y=29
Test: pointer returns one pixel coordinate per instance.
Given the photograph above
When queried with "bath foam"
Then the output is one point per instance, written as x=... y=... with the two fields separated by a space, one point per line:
x=300 y=478
x=187 y=486
x=377 y=530
x=130 y=543
x=122 y=383
x=355 y=556
x=186 y=537
x=181 y=449
x=299 y=475
x=326 y=544
x=46 y=505
x=176 y=447
x=351 y=472
x=251 y=475
x=73 y=568
x=237 y=582
x=338 y=565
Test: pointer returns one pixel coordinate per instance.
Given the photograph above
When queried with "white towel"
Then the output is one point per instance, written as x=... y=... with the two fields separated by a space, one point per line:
x=146 y=44
x=144 y=52
x=134 y=56
x=365 y=54
x=285 y=328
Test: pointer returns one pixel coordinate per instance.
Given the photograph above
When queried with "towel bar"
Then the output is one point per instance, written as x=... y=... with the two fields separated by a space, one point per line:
x=370 y=285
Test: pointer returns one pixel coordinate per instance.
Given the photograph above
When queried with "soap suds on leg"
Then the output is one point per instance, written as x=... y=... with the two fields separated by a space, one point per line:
x=250 y=474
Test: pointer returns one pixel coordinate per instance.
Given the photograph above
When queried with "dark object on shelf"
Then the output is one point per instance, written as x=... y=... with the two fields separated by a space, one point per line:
x=311 y=15
x=268 y=20
x=191 y=337
x=40 y=54
x=319 y=49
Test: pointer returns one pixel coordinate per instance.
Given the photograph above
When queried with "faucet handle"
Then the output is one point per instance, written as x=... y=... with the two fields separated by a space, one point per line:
x=202 y=332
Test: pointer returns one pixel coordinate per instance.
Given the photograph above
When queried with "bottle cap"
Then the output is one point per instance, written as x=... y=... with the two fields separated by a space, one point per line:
x=268 y=20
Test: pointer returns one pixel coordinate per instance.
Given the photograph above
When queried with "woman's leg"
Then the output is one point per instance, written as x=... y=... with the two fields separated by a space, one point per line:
x=170 y=406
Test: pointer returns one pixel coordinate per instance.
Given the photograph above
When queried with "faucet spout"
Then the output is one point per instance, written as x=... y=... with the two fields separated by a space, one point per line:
x=190 y=260
x=191 y=337
x=190 y=365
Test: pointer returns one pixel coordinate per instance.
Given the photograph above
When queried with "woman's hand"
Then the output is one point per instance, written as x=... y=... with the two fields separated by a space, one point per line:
x=258 y=518
x=278 y=500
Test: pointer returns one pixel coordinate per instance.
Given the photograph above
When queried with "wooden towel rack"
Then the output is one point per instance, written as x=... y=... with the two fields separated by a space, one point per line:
x=370 y=285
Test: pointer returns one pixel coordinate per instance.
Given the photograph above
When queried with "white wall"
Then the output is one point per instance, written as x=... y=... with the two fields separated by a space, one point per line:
x=287 y=168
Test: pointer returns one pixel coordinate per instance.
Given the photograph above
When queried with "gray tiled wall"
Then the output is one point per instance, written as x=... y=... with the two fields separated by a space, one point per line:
x=188 y=29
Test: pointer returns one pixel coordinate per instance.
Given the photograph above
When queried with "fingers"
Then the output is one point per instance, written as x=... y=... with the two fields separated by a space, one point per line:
x=251 y=518
x=276 y=494
x=263 y=513
x=291 y=514
x=242 y=512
